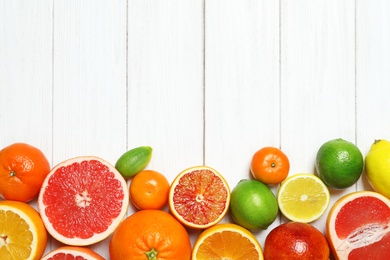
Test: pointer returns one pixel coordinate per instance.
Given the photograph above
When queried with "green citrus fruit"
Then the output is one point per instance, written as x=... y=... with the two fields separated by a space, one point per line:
x=134 y=161
x=253 y=205
x=378 y=167
x=339 y=163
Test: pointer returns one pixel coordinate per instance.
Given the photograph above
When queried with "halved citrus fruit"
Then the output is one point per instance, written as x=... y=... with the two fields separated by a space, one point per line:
x=303 y=197
x=227 y=241
x=199 y=197
x=83 y=200
x=22 y=233
x=358 y=226
x=72 y=253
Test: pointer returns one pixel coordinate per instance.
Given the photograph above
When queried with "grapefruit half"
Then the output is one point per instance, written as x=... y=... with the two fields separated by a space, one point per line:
x=199 y=197
x=83 y=200
x=358 y=226
x=72 y=253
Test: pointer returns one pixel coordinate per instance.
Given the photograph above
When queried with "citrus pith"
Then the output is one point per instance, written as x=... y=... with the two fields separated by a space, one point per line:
x=199 y=197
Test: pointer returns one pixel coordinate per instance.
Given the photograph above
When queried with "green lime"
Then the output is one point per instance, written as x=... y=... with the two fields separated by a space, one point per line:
x=134 y=161
x=253 y=205
x=339 y=163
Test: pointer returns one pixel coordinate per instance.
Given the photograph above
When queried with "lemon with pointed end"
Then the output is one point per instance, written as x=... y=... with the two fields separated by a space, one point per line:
x=378 y=167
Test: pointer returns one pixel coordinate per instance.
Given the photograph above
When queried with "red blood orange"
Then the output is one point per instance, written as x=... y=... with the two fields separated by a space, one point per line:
x=83 y=200
x=358 y=226
x=72 y=253
x=199 y=197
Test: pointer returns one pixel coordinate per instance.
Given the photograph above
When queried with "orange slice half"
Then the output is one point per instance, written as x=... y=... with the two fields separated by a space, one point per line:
x=199 y=197
x=227 y=241
x=22 y=233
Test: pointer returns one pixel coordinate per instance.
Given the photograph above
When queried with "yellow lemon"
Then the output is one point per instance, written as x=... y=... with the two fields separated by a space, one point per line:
x=377 y=165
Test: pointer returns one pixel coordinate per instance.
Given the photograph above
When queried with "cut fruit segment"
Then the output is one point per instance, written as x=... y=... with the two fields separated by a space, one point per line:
x=199 y=197
x=72 y=253
x=227 y=241
x=303 y=197
x=22 y=233
x=358 y=226
x=83 y=200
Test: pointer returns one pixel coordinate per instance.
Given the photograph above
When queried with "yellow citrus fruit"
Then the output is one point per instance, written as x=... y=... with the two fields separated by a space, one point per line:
x=339 y=163
x=22 y=233
x=253 y=205
x=378 y=167
x=199 y=197
x=227 y=241
x=303 y=197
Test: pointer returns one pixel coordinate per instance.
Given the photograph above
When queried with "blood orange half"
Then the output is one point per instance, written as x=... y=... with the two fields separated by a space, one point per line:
x=358 y=226
x=72 y=253
x=199 y=197
x=83 y=200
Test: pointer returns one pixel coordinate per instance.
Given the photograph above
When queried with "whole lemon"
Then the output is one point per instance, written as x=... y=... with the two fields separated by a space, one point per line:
x=378 y=167
x=253 y=205
x=339 y=163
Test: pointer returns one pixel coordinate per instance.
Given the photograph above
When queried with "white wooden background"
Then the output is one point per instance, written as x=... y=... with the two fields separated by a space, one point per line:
x=201 y=81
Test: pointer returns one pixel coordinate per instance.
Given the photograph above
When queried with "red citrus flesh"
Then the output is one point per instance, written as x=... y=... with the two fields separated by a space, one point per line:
x=82 y=200
x=358 y=226
x=199 y=197
x=72 y=253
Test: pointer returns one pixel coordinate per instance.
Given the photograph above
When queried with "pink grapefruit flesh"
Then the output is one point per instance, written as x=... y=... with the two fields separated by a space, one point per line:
x=72 y=253
x=358 y=226
x=83 y=200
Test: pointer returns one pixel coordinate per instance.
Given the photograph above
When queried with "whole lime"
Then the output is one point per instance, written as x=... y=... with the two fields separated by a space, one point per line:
x=339 y=163
x=378 y=167
x=253 y=205
x=133 y=161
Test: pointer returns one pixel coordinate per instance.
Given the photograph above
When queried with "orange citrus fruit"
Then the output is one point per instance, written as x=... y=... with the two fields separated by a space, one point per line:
x=227 y=241
x=296 y=241
x=72 y=252
x=270 y=165
x=22 y=233
x=83 y=200
x=22 y=170
x=150 y=234
x=358 y=227
x=149 y=190
x=199 y=197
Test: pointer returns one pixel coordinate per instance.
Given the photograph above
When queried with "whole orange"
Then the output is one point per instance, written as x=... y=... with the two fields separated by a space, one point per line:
x=150 y=234
x=295 y=240
x=149 y=190
x=22 y=170
x=270 y=165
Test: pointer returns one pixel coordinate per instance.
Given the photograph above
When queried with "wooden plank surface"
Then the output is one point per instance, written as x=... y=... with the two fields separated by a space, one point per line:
x=202 y=82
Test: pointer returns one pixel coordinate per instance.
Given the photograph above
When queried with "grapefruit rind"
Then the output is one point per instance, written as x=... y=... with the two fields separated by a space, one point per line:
x=76 y=252
x=362 y=237
x=226 y=227
x=286 y=200
x=198 y=200
x=96 y=237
